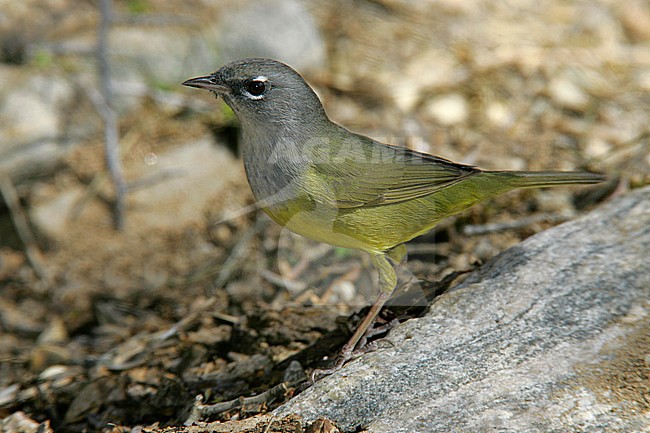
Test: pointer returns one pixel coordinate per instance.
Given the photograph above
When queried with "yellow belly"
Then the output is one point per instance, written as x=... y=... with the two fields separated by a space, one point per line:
x=382 y=227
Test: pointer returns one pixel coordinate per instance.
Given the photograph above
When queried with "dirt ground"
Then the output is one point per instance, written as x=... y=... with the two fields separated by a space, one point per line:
x=216 y=321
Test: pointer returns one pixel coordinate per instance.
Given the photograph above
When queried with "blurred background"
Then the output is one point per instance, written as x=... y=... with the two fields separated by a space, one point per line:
x=96 y=259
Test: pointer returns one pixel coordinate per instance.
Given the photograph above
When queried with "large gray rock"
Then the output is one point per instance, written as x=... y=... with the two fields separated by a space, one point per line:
x=553 y=335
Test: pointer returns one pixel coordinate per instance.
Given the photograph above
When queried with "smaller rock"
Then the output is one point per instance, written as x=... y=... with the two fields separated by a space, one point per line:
x=448 y=110
x=24 y=162
x=405 y=94
x=344 y=292
x=8 y=395
x=432 y=69
x=43 y=356
x=567 y=94
x=425 y=73
x=597 y=148
x=499 y=115
x=54 y=333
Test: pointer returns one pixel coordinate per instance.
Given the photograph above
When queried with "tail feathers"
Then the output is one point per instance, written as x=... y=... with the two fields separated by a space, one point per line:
x=540 y=179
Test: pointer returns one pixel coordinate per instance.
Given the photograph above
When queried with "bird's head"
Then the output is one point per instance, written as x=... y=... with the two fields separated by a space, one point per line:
x=264 y=92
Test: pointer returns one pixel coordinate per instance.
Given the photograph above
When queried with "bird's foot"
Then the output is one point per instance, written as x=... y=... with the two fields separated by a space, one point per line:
x=348 y=353
x=343 y=357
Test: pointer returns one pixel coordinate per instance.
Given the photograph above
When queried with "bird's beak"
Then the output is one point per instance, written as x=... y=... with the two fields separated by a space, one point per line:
x=207 y=82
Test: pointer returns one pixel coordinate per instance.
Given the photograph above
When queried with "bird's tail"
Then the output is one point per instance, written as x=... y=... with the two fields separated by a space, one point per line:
x=541 y=179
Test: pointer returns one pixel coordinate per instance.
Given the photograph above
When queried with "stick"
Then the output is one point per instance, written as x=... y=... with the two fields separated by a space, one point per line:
x=201 y=411
x=22 y=226
x=111 y=134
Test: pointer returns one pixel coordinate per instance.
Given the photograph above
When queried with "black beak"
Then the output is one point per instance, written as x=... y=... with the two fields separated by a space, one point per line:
x=207 y=82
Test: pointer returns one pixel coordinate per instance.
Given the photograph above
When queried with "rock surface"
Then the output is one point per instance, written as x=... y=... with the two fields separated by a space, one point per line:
x=551 y=335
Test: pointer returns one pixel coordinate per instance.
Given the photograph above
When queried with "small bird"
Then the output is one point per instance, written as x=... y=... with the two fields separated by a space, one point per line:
x=326 y=183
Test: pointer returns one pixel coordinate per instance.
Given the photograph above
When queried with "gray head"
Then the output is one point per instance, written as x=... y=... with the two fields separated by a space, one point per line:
x=264 y=93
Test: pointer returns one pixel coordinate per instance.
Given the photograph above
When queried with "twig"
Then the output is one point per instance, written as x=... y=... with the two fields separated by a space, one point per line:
x=91 y=192
x=294 y=287
x=201 y=411
x=141 y=346
x=22 y=226
x=111 y=134
x=237 y=253
x=310 y=256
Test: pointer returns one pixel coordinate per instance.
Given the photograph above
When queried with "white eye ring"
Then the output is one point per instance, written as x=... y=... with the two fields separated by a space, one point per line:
x=247 y=92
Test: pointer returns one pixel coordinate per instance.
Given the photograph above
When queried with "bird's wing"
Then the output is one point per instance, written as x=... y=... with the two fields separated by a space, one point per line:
x=376 y=174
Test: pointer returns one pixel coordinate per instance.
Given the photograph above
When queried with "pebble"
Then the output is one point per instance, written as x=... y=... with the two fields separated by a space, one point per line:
x=405 y=94
x=448 y=109
x=499 y=115
x=344 y=291
x=43 y=356
x=54 y=333
x=426 y=73
x=597 y=147
x=567 y=94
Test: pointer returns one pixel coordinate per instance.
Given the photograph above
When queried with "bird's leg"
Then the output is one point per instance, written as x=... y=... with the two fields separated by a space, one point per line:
x=397 y=256
x=348 y=348
x=387 y=283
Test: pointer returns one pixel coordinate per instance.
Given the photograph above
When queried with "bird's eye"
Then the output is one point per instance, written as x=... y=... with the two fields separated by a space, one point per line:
x=256 y=87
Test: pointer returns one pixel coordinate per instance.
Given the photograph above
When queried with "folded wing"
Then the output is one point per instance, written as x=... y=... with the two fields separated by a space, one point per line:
x=368 y=173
